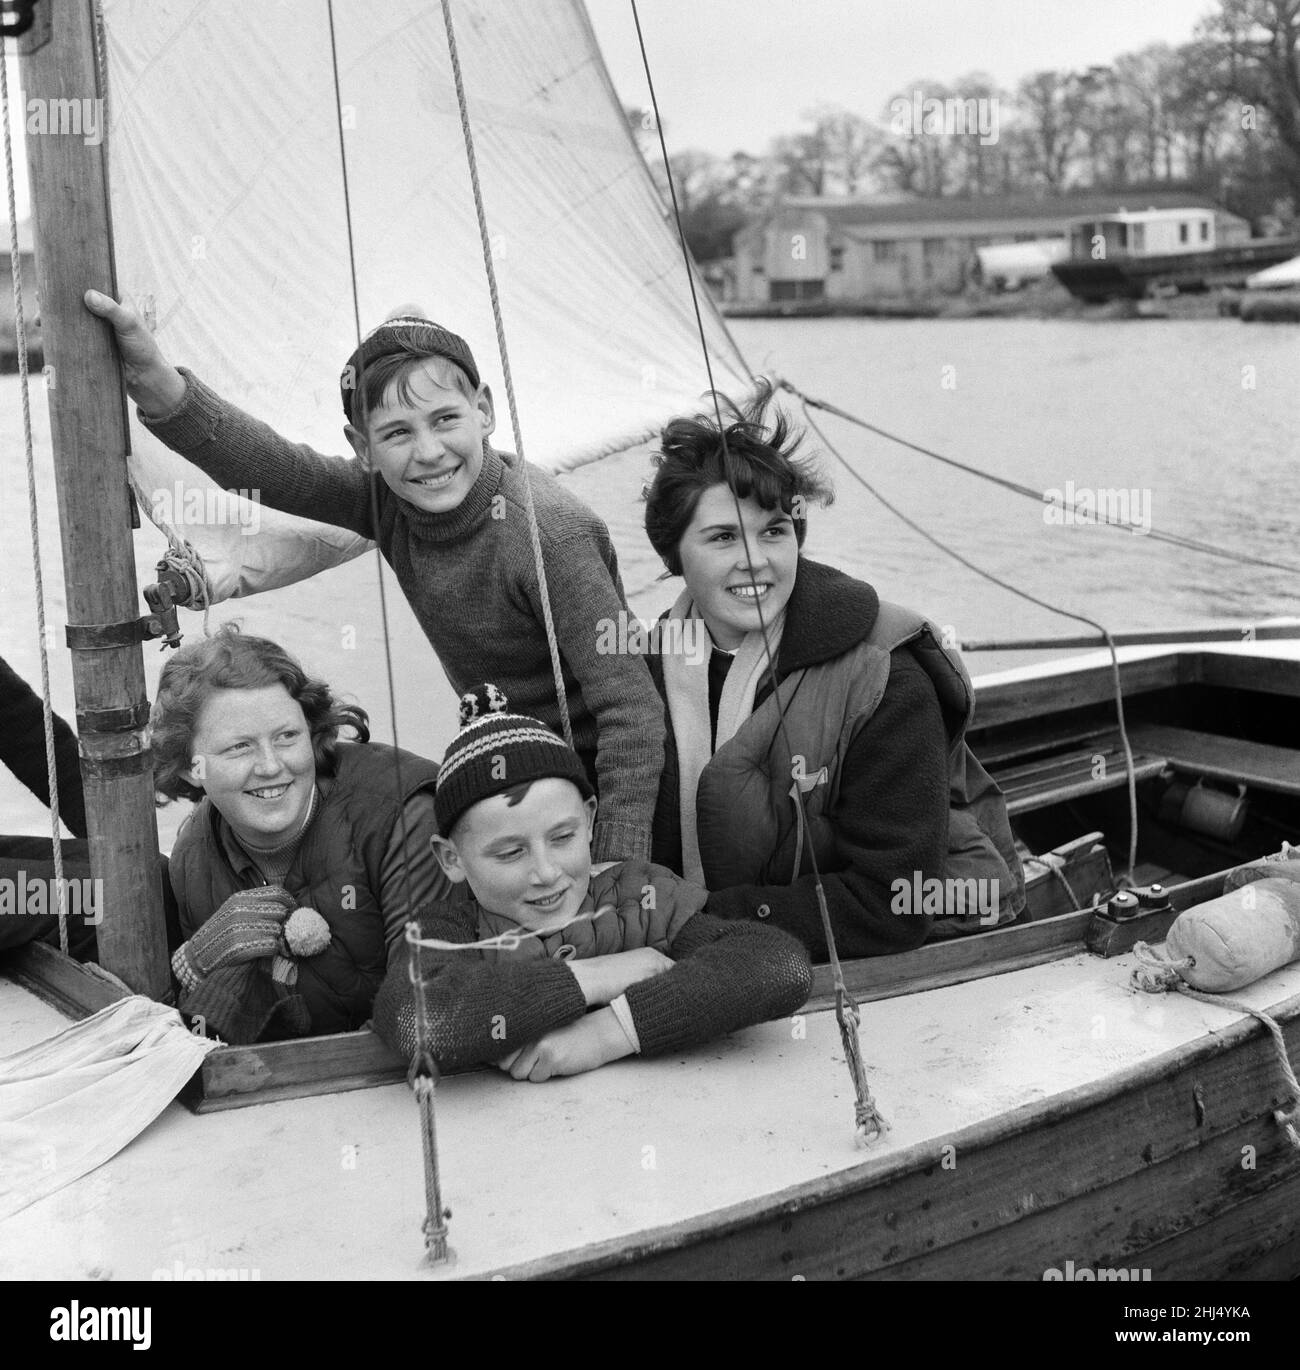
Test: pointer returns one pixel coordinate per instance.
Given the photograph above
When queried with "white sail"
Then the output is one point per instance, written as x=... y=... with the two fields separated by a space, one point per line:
x=232 y=230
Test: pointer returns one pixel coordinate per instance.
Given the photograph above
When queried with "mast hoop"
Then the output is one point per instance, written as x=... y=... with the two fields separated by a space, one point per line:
x=116 y=767
x=114 y=720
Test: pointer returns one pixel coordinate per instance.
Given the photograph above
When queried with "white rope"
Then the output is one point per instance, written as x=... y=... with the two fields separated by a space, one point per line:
x=1116 y=680
x=1157 y=972
x=184 y=558
x=556 y=667
x=503 y=941
x=20 y=328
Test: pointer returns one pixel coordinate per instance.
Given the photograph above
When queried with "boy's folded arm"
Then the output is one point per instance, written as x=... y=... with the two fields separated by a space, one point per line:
x=478 y=1010
x=720 y=982
x=240 y=452
x=618 y=690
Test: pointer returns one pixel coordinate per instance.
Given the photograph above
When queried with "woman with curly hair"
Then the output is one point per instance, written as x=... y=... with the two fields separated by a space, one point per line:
x=306 y=853
x=813 y=689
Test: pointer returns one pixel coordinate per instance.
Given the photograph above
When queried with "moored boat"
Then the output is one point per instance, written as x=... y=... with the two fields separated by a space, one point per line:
x=997 y=1057
x=1042 y=1112
x=1132 y=253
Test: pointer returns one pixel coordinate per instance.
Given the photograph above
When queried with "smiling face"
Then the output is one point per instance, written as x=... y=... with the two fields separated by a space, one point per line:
x=426 y=438
x=719 y=577
x=253 y=757
x=529 y=860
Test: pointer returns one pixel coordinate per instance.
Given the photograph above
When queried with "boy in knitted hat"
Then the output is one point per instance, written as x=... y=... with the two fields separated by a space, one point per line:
x=450 y=516
x=554 y=968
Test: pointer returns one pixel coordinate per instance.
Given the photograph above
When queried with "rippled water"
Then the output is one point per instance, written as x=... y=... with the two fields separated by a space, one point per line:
x=1201 y=418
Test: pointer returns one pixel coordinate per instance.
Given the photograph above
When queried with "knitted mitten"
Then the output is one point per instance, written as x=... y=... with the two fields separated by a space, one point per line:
x=248 y=926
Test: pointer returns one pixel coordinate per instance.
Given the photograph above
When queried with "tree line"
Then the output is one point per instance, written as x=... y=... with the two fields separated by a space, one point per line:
x=1219 y=115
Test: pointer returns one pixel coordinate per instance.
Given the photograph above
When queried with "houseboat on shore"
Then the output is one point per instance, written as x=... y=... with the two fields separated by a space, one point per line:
x=1130 y=253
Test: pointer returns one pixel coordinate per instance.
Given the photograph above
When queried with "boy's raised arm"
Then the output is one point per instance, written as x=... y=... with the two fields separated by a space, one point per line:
x=151 y=381
x=236 y=450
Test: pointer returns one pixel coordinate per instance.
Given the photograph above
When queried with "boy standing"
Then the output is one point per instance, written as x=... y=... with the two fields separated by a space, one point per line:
x=545 y=939
x=449 y=514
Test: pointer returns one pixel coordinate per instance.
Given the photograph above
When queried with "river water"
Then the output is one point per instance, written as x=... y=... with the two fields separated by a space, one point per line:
x=1197 y=420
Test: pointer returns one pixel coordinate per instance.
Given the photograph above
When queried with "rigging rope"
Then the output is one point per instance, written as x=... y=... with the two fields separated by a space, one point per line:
x=869 y=1123
x=20 y=329
x=467 y=133
x=503 y=941
x=390 y=675
x=435 y=1223
x=1130 y=769
x=1156 y=972
x=1039 y=497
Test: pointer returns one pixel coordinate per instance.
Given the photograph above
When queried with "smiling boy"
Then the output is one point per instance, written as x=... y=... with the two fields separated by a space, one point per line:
x=553 y=968
x=450 y=516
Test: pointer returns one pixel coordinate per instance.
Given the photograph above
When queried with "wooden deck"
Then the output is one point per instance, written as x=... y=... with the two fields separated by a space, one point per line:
x=606 y=1173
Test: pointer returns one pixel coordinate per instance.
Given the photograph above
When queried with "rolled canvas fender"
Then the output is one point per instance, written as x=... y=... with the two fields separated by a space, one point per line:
x=1241 y=936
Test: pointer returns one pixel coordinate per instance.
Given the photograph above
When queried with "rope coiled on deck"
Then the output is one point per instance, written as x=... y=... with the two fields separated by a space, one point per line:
x=1156 y=972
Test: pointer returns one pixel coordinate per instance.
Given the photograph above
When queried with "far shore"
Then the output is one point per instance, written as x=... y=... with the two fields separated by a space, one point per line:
x=1038 y=300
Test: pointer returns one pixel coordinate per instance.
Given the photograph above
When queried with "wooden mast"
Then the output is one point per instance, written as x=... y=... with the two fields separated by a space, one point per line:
x=88 y=422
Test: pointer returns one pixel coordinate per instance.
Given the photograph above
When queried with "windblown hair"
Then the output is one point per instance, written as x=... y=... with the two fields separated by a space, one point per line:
x=231 y=660
x=393 y=371
x=747 y=453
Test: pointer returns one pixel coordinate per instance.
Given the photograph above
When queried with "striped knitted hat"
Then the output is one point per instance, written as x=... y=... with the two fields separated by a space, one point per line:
x=408 y=333
x=495 y=751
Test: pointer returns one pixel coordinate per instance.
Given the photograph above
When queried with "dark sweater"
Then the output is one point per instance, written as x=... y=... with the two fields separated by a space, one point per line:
x=470 y=577
x=22 y=749
x=892 y=815
x=727 y=976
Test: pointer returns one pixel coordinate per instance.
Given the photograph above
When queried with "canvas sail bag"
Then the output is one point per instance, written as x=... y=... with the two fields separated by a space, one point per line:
x=74 y=1100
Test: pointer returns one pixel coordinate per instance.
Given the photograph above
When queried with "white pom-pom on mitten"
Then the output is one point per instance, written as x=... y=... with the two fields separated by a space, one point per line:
x=306 y=933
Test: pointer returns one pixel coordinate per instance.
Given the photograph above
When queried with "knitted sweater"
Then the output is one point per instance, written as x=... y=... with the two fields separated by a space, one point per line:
x=22 y=749
x=484 y=1004
x=470 y=577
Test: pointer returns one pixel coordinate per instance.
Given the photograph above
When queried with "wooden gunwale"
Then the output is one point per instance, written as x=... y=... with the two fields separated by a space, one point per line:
x=1014 y=701
x=238 y=1076
x=1239 y=1080
x=59 y=981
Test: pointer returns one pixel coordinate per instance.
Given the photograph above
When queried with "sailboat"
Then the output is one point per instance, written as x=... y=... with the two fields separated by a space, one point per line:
x=1043 y=1117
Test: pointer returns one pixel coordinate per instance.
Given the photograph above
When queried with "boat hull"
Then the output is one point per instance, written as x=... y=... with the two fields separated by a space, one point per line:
x=1177 y=1173
x=1046 y=1120
x=1131 y=278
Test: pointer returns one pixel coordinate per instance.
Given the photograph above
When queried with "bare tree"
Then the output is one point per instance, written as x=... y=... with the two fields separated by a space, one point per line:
x=1258 y=40
x=1052 y=105
x=912 y=159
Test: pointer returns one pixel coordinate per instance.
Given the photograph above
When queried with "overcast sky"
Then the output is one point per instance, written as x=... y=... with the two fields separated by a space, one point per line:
x=732 y=74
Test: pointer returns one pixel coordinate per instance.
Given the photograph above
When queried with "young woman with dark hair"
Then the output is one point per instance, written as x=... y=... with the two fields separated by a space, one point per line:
x=290 y=816
x=863 y=717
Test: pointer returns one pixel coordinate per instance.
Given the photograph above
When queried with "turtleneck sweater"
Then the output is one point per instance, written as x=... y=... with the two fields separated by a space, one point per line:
x=470 y=577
